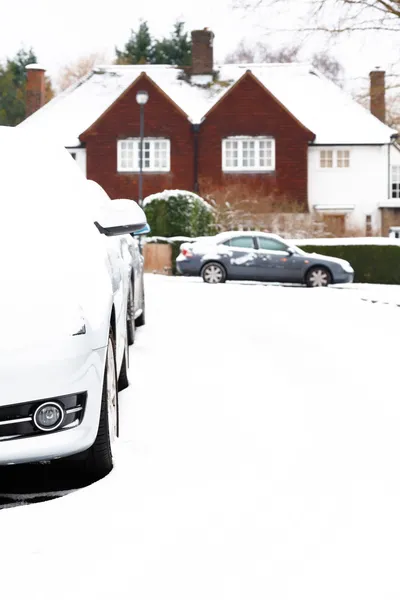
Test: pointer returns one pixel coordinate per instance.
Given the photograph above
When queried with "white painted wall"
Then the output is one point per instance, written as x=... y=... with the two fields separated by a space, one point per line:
x=365 y=184
x=80 y=157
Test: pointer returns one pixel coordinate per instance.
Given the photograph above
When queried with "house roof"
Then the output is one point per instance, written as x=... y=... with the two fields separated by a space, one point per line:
x=320 y=105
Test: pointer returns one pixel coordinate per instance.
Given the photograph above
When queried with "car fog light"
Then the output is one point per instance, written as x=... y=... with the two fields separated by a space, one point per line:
x=48 y=416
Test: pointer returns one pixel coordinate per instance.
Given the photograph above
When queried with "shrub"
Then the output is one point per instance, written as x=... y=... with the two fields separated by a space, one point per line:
x=179 y=213
x=371 y=263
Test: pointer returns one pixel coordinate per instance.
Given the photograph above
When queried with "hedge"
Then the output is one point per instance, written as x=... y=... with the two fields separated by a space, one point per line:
x=178 y=213
x=372 y=264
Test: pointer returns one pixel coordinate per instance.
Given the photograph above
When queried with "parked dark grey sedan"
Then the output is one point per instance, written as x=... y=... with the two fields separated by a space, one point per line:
x=257 y=256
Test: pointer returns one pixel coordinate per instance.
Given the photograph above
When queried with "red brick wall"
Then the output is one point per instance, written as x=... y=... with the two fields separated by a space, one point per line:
x=162 y=119
x=247 y=110
x=250 y=110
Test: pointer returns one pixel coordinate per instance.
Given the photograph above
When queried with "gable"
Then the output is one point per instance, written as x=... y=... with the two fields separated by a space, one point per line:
x=124 y=111
x=249 y=102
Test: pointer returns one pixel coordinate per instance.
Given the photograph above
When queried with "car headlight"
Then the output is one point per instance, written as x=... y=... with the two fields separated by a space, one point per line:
x=346 y=266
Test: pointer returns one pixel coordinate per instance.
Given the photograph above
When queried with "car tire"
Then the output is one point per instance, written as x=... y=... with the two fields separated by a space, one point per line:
x=99 y=458
x=141 y=320
x=213 y=272
x=130 y=316
x=318 y=277
x=123 y=380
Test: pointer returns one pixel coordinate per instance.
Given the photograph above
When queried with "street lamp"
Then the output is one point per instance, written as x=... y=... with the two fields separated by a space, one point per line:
x=141 y=99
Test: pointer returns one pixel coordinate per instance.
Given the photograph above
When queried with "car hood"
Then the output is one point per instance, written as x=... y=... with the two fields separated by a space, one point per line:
x=331 y=259
x=39 y=303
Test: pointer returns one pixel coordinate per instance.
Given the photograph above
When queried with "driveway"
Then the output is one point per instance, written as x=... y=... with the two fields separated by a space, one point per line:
x=259 y=458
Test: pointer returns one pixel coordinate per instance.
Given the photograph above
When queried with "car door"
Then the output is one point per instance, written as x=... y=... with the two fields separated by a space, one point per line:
x=241 y=263
x=275 y=262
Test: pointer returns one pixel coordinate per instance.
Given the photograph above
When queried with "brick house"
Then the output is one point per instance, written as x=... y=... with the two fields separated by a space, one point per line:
x=278 y=133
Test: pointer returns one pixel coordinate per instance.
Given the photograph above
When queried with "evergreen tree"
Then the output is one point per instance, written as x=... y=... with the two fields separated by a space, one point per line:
x=12 y=87
x=142 y=49
x=175 y=50
x=138 y=48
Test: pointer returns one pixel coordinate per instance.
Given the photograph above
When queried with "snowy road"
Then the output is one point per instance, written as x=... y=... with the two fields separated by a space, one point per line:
x=259 y=458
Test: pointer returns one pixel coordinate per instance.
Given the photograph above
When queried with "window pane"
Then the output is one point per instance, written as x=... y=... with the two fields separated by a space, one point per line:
x=326 y=159
x=396 y=181
x=343 y=158
x=271 y=244
x=248 y=154
x=242 y=242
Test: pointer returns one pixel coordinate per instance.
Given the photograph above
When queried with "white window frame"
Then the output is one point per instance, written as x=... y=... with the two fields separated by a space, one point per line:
x=256 y=168
x=135 y=167
x=340 y=156
x=345 y=157
x=395 y=179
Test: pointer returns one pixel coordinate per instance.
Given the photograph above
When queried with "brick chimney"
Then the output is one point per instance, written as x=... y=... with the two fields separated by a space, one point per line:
x=377 y=94
x=202 y=52
x=35 y=88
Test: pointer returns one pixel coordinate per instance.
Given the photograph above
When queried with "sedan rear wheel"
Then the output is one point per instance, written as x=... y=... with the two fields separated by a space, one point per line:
x=318 y=277
x=213 y=273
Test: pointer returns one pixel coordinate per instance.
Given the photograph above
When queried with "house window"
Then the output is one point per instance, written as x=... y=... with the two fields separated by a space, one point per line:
x=343 y=159
x=396 y=181
x=326 y=159
x=331 y=159
x=248 y=154
x=368 y=225
x=156 y=154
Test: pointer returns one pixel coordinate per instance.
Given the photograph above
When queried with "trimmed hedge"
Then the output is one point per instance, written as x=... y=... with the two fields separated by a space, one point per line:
x=371 y=264
x=179 y=213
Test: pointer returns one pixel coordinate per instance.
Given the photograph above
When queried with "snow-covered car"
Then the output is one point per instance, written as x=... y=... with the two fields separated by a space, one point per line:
x=257 y=256
x=72 y=290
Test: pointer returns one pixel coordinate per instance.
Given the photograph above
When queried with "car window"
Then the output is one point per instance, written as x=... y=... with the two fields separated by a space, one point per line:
x=241 y=242
x=271 y=244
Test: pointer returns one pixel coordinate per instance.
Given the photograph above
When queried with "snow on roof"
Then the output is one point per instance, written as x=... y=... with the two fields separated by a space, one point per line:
x=320 y=105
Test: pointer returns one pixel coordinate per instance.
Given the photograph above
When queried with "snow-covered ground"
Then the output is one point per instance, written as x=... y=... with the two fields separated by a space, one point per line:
x=259 y=458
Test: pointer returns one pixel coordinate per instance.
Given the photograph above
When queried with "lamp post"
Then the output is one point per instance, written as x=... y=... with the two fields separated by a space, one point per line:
x=141 y=99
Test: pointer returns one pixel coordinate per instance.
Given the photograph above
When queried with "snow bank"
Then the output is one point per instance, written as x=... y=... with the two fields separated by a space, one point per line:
x=272 y=474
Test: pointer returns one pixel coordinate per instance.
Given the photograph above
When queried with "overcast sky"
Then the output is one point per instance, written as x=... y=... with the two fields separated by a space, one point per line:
x=62 y=32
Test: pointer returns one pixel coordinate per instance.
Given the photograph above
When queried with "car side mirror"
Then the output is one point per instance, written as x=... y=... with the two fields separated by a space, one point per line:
x=120 y=217
x=290 y=251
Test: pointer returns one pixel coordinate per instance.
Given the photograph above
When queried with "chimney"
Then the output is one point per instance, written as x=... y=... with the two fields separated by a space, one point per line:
x=35 y=88
x=377 y=94
x=202 y=52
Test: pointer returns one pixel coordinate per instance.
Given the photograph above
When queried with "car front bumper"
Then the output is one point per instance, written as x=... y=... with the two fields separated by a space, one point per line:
x=48 y=372
x=343 y=277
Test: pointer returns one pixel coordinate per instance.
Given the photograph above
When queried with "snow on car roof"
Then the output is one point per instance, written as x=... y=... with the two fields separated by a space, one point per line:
x=230 y=234
x=320 y=105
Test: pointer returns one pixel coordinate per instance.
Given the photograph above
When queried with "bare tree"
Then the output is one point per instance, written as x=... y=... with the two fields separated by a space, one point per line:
x=81 y=67
x=328 y=65
x=262 y=53
x=338 y=16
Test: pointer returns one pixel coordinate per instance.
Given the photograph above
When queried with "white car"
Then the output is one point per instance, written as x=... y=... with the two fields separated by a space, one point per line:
x=72 y=289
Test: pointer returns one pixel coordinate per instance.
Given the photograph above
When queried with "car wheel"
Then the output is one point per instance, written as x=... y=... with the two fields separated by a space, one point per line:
x=141 y=320
x=123 y=380
x=318 y=277
x=213 y=273
x=130 y=316
x=99 y=458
